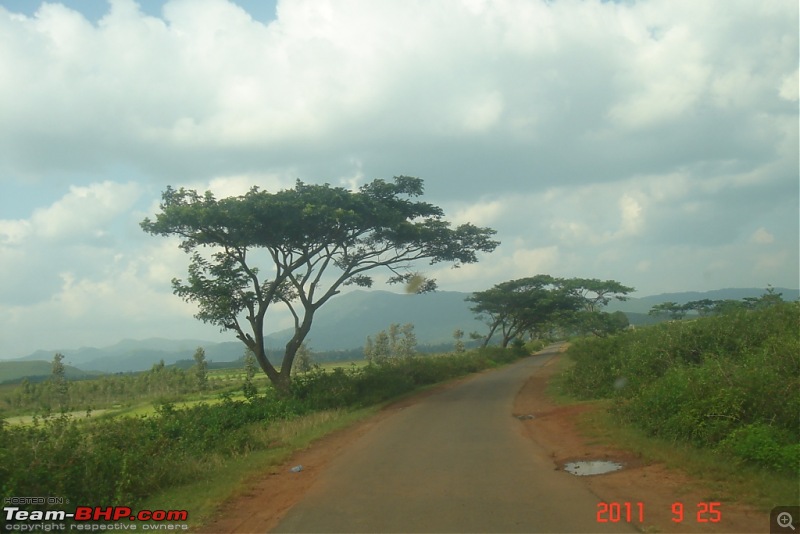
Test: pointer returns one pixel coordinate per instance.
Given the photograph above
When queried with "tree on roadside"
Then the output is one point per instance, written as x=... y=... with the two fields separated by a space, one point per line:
x=595 y=294
x=599 y=323
x=519 y=306
x=312 y=240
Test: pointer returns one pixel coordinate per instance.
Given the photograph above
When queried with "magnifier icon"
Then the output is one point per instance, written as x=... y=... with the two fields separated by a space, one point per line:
x=785 y=519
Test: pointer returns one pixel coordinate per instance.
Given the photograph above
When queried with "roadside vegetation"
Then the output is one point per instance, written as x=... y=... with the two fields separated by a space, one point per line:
x=125 y=460
x=728 y=384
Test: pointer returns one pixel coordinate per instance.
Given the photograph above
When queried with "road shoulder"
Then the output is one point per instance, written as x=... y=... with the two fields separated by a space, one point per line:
x=556 y=428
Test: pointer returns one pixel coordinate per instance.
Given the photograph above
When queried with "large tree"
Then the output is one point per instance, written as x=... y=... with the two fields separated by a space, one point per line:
x=312 y=240
x=521 y=306
x=595 y=293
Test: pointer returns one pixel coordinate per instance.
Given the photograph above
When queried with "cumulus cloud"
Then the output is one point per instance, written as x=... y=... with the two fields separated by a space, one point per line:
x=651 y=142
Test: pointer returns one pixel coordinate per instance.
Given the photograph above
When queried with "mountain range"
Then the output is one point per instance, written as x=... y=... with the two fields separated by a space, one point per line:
x=343 y=324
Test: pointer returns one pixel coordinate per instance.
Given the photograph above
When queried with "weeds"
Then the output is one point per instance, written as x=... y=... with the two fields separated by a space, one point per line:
x=124 y=460
x=729 y=383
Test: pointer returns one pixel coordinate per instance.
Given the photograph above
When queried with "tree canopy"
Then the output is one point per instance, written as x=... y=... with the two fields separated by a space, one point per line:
x=317 y=239
x=520 y=306
x=529 y=305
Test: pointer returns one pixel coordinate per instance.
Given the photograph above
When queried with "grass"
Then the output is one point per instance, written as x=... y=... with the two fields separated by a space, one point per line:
x=228 y=477
x=724 y=477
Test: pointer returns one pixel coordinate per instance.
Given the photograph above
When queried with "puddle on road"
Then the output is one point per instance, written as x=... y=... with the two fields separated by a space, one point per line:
x=591 y=467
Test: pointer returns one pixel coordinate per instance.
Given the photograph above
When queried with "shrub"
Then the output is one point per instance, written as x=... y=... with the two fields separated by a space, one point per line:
x=730 y=382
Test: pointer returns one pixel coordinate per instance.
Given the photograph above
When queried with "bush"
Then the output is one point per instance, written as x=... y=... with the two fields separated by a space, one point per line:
x=764 y=445
x=730 y=382
x=120 y=461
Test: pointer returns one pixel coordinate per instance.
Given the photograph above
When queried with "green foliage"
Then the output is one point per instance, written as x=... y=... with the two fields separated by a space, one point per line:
x=730 y=382
x=122 y=460
x=398 y=342
x=159 y=382
x=303 y=361
x=316 y=238
x=706 y=307
x=200 y=369
x=524 y=306
x=125 y=459
x=388 y=378
x=538 y=305
x=248 y=388
x=765 y=445
x=458 y=337
x=59 y=383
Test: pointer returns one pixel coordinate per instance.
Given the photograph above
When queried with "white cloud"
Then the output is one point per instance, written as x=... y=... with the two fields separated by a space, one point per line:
x=762 y=237
x=789 y=87
x=84 y=211
x=648 y=142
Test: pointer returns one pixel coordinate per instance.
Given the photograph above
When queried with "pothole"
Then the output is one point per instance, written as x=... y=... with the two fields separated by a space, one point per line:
x=591 y=467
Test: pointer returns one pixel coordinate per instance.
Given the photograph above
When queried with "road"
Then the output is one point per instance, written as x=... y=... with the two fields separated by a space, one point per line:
x=456 y=461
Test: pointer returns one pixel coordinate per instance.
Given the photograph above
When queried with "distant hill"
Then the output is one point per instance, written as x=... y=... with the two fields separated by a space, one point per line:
x=344 y=323
x=132 y=355
x=347 y=320
x=644 y=304
x=36 y=370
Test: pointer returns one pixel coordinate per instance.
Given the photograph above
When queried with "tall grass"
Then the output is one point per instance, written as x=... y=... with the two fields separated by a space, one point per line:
x=729 y=383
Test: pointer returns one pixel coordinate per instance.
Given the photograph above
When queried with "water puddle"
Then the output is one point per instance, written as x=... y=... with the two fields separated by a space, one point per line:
x=592 y=467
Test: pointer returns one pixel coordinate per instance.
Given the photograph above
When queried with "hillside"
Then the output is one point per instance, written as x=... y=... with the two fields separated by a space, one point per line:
x=349 y=319
x=644 y=304
x=344 y=323
x=34 y=370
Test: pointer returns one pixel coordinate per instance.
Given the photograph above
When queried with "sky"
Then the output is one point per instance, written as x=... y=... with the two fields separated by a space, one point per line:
x=654 y=143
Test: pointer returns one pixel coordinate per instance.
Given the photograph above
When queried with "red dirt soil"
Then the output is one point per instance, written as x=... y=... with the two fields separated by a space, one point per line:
x=554 y=431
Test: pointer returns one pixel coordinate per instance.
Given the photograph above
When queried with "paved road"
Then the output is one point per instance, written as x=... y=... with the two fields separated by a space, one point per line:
x=453 y=462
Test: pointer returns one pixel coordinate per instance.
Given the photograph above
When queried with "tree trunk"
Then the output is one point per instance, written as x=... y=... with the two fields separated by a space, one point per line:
x=283 y=381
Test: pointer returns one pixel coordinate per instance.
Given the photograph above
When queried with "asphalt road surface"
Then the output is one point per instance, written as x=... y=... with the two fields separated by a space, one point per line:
x=456 y=461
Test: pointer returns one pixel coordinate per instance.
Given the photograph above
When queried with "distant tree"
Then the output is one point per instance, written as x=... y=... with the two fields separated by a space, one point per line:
x=303 y=362
x=767 y=299
x=703 y=307
x=200 y=369
x=601 y=324
x=250 y=366
x=407 y=346
x=394 y=339
x=381 y=351
x=369 y=349
x=722 y=307
x=596 y=294
x=395 y=342
x=316 y=238
x=59 y=383
x=668 y=309
x=519 y=306
x=458 y=336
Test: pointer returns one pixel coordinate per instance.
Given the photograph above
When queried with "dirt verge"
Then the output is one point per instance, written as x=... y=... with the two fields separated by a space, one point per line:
x=554 y=431
x=555 y=428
